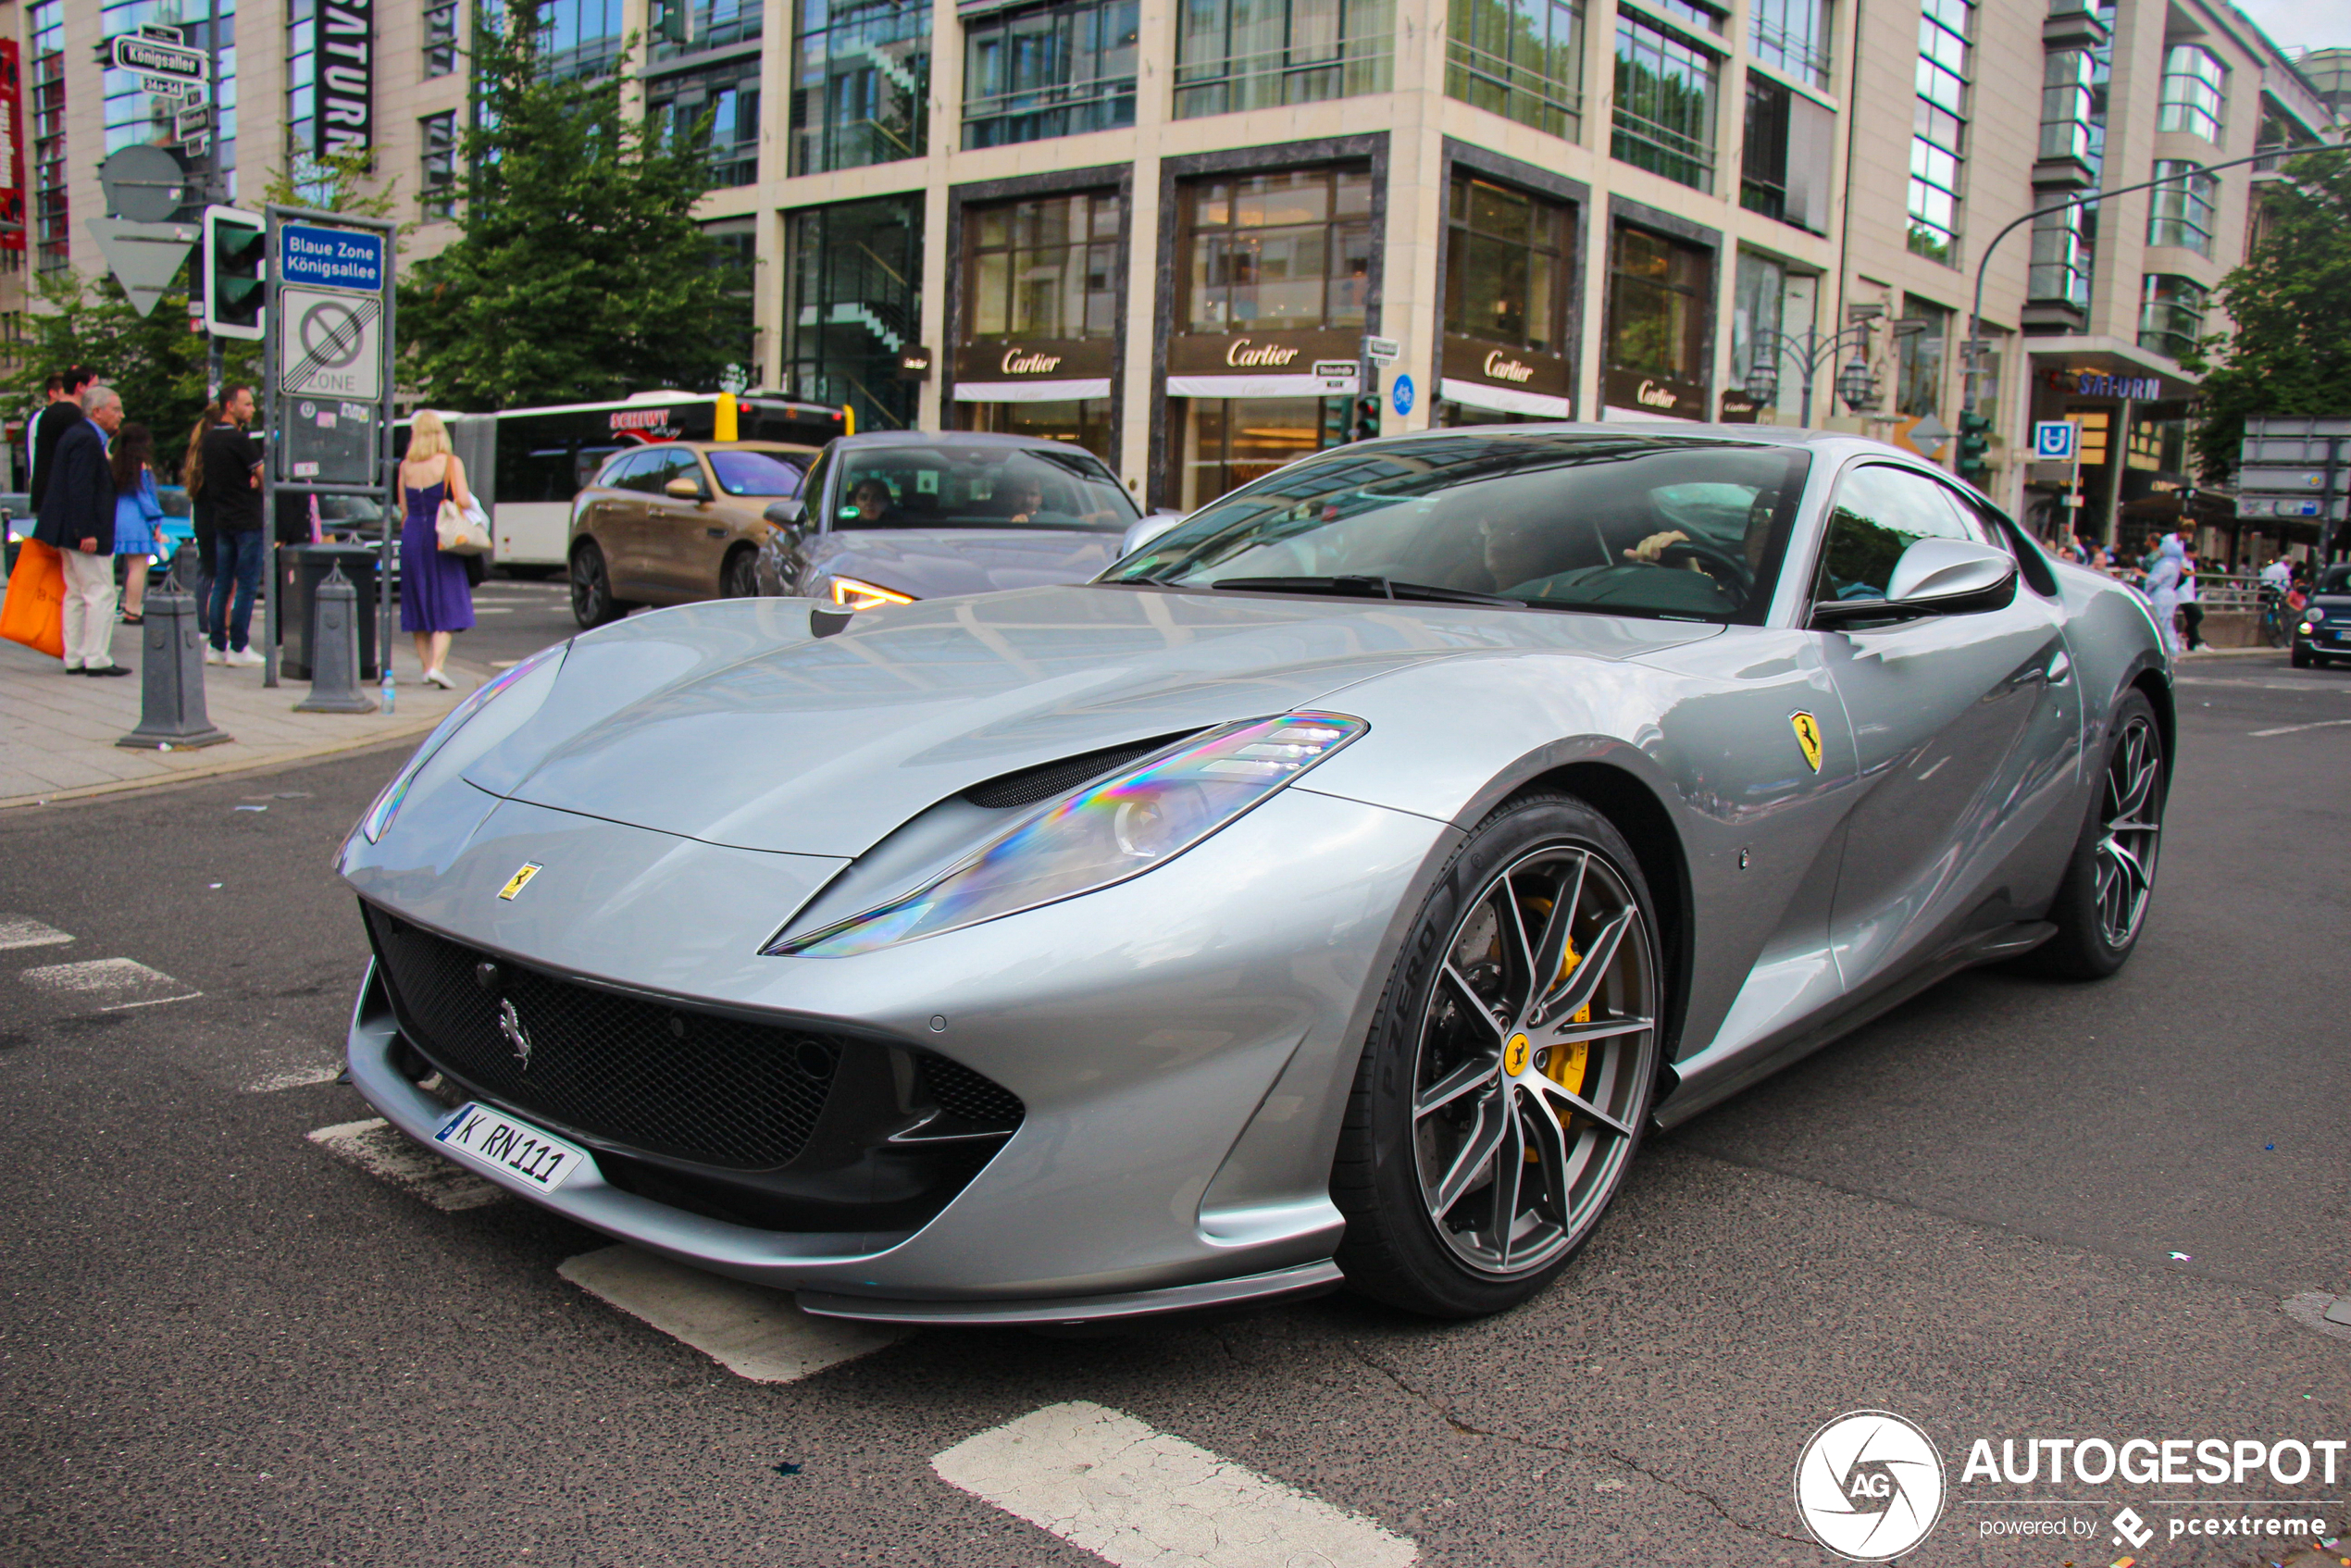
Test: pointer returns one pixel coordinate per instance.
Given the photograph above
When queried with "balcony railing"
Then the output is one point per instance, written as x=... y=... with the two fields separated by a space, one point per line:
x=1487 y=81
x=1298 y=74
x=1035 y=113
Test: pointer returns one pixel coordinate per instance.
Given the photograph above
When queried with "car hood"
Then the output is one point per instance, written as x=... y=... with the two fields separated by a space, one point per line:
x=941 y=562
x=695 y=721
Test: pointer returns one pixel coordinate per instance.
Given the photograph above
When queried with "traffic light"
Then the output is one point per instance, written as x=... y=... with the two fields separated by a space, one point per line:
x=1365 y=425
x=1975 y=447
x=235 y=279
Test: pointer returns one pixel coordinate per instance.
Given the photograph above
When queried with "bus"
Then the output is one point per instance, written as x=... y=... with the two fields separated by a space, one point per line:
x=537 y=459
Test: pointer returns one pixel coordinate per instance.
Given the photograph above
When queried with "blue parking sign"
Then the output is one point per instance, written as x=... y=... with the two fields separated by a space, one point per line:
x=2053 y=439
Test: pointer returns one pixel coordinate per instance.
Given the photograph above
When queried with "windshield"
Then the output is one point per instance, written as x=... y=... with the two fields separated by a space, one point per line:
x=1646 y=526
x=2335 y=579
x=979 y=487
x=755 y=473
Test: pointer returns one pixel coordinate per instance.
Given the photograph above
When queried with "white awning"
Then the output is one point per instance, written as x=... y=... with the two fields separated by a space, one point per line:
x=1505 y=400
x=1260 y=386
x=1616 y=414
x=1031 y=392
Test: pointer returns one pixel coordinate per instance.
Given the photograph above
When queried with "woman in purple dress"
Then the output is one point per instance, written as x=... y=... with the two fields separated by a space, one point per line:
x=435 y=598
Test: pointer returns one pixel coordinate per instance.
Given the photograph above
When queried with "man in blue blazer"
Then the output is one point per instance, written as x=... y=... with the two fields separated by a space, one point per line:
x=77 y=519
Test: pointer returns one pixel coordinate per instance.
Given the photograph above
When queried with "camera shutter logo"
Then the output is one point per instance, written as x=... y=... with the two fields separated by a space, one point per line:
x=1868 y=1485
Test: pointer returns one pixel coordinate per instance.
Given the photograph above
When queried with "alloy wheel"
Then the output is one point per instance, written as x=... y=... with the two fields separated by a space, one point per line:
x=2131 y=811
x=1536 y=1051
x=589 y=592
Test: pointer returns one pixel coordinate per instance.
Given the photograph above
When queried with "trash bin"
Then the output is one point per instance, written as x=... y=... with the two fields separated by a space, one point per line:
x=304 y=567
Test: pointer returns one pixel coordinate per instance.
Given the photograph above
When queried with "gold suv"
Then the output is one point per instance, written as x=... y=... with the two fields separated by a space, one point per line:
x=676 y=521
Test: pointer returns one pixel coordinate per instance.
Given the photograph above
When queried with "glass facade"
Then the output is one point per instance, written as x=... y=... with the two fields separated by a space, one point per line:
x=728 y=94
x=1052 y=70
x=1920 y=357
x=437 y=166
x=52 y=225
x=2060 y=263
x=2067 y=99
x=1665 y=91
x=579 y=37
x=1938 y=141
x=2194 y=85
x=2171 y=314
x=440 y=38
x=1506 y=267
x=2181 y=214
x=694 y=27
x=1763 y=152
x=1279 y=252
x=852 y=300
x=1235 y=55
x=135 y=116
x=1043 y=268
x=1656 y=298
x=1079 y=421
x=1520 y=58
x=861 y=84
x=1791 y=35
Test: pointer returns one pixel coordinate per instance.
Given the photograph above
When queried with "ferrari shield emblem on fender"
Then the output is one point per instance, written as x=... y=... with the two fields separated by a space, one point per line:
x=530 y=868
x=1807 y=737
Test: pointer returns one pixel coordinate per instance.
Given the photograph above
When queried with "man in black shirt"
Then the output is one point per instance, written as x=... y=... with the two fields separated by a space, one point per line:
x=233 y=484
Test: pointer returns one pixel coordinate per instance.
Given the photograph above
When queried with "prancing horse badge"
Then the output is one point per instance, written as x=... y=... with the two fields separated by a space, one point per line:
x=1807 y=737
x=530 y=868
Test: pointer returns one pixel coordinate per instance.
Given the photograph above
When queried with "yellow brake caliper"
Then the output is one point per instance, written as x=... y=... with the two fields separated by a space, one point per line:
x=1565 y=1065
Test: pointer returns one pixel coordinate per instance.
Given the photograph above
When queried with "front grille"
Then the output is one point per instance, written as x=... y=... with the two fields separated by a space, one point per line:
x=692 y=1085
x=1044 y=782
x=962 y=1092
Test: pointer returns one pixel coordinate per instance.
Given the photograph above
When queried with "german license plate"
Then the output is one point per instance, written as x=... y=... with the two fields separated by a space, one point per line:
x=496 y=1141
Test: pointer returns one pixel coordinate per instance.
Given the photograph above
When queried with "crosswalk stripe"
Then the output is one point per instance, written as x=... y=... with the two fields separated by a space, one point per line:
x=754 y=1333
x=384 y=1151
x=1101 y=1480
x=22 y=930
x=113 y=983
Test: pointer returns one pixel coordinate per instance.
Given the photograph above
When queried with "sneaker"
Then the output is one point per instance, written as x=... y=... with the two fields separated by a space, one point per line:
x=213 y=655
x=440 y=680
x=241 y=658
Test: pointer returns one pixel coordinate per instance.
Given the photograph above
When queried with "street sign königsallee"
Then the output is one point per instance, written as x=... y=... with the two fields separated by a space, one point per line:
x=316 y=257
x=172 y=64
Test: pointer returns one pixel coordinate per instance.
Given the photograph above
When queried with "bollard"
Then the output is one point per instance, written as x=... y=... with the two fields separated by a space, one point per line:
x=334 y=651
x=171 y=710
x=187 y=570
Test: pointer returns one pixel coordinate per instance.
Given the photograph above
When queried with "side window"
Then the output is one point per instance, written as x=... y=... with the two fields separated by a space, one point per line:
x=669 y=462
x=2031 y=563
x=812 y=489
x=629 y=472
x=1880 y=512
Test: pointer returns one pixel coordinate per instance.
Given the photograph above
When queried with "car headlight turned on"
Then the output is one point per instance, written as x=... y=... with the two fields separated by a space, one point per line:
x=850 y=593
x=387 y=804
x=1100 y=835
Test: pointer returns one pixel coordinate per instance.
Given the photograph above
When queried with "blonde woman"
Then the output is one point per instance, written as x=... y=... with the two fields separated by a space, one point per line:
x=435 y=598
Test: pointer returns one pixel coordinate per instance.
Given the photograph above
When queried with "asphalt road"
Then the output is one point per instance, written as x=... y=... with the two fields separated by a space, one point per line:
x=2011 y=1208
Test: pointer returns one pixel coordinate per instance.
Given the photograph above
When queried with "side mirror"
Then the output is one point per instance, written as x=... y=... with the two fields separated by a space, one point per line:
x=1934 y=577
x=685 y=489
x=1142 y=530
x=787 y=514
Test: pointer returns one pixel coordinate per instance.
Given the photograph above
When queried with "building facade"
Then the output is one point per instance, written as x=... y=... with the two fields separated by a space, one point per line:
x=1160 y=230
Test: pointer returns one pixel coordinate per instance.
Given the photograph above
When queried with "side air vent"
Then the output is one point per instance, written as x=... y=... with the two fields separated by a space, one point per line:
x=1048 y=779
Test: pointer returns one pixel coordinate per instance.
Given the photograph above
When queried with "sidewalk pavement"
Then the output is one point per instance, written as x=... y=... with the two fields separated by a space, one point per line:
x=57 y=731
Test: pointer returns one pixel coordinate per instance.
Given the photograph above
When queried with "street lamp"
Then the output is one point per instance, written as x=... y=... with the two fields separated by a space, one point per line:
x=1762 y=383
x=1857 y=384
x=1812 y=349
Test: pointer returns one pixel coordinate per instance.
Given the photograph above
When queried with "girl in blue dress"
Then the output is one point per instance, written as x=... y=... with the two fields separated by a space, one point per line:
x=137 y=513
x=435 y=598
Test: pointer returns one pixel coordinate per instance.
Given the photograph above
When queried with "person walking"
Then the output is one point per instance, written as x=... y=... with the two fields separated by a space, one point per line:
x=232 y=481
x=2191 y=611
x=200 y=515
x=2162 y=587
x=137 y=513
x=436 y=599
x=77 y=520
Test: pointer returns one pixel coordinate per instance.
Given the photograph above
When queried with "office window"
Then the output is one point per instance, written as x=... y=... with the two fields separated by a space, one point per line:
x=728 y=95
x=1918 y=384
x=2059 y=270
x=1664 y=118
x=693 y=26
x=1044 y=268
x=1052 y=70
x=1657 y=306
x=2193 y=82
x=2181 y=214
x=1939 y=129
x=852 y=299
x=1792 y=35
x=2067 y=84
x=1283 y=252
x=440 y=38
x=1233 y=55
x=437 y=170
x=1506 y=267
x=579 y=37
x=52 y=225
x=2171 y=314
x=1763 y=151
x=1522 y=59
x=861 y=84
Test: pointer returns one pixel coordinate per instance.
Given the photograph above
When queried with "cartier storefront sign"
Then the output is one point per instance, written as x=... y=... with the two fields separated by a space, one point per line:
x=1516 y=369
x=1666 y=397
x=999 y=359
x=1259 y=354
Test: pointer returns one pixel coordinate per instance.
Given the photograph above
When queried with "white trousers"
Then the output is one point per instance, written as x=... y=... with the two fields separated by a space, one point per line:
x=89 y=610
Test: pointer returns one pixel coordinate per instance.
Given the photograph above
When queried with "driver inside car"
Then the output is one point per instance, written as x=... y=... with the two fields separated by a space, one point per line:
x=1754 y=545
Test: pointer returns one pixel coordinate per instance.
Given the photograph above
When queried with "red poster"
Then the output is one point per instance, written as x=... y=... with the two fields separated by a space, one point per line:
x=11 y=147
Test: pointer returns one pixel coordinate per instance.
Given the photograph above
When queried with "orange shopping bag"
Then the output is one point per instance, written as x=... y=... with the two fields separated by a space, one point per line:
x=34 y=613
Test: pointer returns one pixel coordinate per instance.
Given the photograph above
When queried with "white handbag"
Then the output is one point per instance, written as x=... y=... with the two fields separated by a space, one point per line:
x=463 y=530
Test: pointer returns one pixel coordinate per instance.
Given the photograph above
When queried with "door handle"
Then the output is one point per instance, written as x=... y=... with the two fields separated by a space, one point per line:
x=716 y=533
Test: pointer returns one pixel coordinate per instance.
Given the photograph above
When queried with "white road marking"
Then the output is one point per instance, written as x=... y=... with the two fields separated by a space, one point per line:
x=2291 y=728
x=298 y=1078
x=22 y=930
x=754 y=1333
x=384 y=1151
x=1101 y=1480
x=113 y=983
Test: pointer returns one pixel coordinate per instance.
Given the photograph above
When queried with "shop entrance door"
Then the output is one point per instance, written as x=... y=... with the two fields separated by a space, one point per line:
x=1226 y=442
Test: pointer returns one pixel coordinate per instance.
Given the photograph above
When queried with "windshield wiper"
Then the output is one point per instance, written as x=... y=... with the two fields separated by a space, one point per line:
x=1367 y=588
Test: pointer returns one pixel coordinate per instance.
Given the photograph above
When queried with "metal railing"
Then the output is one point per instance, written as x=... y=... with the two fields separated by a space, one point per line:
x=1299 y=73
x=1493 y=81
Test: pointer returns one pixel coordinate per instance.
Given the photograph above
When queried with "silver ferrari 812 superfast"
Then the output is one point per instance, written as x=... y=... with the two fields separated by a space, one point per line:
x=1336 y=888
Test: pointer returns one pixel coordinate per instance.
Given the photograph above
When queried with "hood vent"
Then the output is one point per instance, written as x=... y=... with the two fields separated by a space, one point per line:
x=1045 y=780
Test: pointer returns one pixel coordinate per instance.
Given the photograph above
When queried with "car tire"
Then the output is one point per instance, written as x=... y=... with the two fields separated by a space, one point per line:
x=1466 y=1054
x=739 y=577
x=2301 y=656
x=2096 y=934
x=591 y=602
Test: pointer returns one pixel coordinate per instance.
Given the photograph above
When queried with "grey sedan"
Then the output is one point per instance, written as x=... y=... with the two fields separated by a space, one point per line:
x=1339 y=887
x=893 y=516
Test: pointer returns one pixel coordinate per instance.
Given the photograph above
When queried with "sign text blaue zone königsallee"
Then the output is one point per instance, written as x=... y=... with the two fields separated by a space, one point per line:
x=330 y=258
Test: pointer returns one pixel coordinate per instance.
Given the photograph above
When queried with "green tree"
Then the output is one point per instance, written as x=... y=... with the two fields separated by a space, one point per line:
x=581 y=273
x=2290 y=351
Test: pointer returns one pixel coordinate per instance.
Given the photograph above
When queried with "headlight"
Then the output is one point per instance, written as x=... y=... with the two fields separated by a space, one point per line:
x=1102 y=835
x=387 y=805
x=2314 y=615
x=857 y=595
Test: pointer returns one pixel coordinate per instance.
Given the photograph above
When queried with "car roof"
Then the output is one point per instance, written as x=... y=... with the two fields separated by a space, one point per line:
x=733 y=445
x=951 y=438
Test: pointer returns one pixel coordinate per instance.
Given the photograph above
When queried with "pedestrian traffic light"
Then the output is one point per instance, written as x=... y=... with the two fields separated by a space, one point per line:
x=1975 y=447
x=1366 y=423
x=236 y=289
